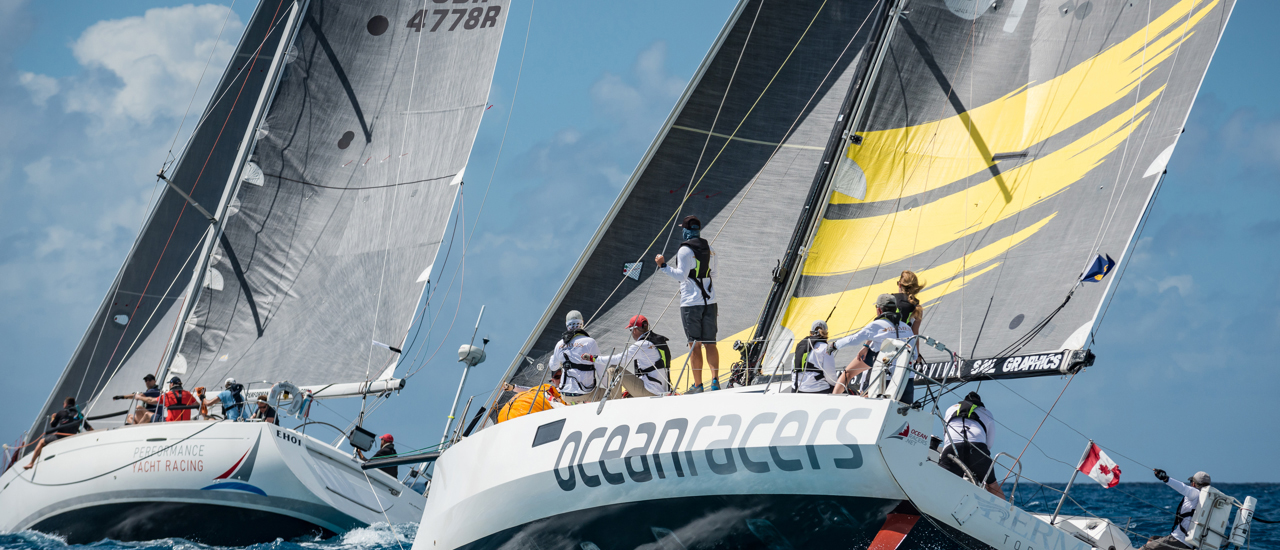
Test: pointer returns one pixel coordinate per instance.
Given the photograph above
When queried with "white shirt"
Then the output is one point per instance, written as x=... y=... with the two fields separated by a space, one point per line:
x=689 y=293
x=874 y=333
x=583 y=351
x=957 y=429
x=1190 y=500
x=820 y=359
x=644 y=353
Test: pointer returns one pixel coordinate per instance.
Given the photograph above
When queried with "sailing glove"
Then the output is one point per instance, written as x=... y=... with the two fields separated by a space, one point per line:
x=1160 y=475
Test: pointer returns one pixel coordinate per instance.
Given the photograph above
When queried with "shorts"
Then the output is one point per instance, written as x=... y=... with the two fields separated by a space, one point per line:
x=1167 y=542
x=975 y=456
x=699 y=322
x=50 y=438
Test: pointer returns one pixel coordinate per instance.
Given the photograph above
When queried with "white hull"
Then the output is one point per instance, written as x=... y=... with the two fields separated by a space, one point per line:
x=753 y=470
x=223 y=483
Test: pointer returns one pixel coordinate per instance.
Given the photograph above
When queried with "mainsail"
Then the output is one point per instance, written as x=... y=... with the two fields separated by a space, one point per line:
x=130 y=330
x=740 y=150
x=1005 y=145
x=328 y=230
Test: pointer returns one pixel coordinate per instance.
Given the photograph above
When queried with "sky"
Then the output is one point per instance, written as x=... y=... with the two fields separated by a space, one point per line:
x=93 y=95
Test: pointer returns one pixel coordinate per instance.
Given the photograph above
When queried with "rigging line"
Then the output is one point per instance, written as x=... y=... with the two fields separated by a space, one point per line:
x=454 y=321
x=391 y=220
x=190 y=102
x=197 y=181
x=99 y=386
x=706 y=142
x=1142 y=226
x=382 y=508
x=727 y=141
x=430 y=294
x=1046 y=417
x=466 y=244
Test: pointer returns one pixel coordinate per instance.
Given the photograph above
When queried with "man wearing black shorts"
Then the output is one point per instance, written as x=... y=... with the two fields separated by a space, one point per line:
x=63 y=423
x=968 y=437
x=693 y=270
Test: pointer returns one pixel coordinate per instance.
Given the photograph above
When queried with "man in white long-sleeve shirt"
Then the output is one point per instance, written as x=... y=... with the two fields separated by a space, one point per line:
x=968 y=436
x=1182 y=522
x=886 y=325
x=694 y=268
x=647 y=358
x=815 y=368
x=576 y=352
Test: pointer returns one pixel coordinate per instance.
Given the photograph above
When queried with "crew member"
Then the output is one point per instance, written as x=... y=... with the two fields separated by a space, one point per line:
x=576 y=352
x=969 y=436
x=887 y=324
x=694 y=269
x=1182 y=520
x=388 y=448
x=648 y=357
x=232 y=400
x=63 y=423
x=265 y=412
x=815 y=368
x=146 y=412
x=175 y=397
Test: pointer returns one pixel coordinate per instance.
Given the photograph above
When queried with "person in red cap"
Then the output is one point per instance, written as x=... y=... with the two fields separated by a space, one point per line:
x=646 y=362
x=387 y=449
x=694 y=268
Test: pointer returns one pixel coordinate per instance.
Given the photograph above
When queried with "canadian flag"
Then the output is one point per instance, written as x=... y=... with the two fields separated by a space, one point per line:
x=1100 y=467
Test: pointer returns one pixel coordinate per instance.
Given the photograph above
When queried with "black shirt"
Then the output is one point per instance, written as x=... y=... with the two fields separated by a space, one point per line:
x=388 y=450
x=265 y=412
x=153 y=393
x=70 y=418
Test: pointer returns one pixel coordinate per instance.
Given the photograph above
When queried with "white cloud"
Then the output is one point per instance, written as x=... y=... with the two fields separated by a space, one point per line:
x=1180 y=282
x=41 y=87
x=153 y=61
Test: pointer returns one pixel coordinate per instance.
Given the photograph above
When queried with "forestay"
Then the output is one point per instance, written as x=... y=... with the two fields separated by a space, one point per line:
x=1005 y=145
x=744 y=144
x=128 y=334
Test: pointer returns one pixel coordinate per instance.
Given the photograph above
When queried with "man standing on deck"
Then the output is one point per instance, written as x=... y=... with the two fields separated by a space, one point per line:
x=1182 y=521
x=576 y=353
x=693 y=270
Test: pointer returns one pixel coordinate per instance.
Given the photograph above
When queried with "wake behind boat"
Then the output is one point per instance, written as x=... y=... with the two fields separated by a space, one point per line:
x=288 y=250
x=1000 y=151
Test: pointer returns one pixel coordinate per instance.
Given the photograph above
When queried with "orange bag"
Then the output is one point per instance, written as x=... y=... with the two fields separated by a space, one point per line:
x=530 y=401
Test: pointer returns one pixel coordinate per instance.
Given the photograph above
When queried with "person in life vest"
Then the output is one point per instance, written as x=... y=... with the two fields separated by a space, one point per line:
x=232 y=400
x=575 y=353
x=175 y=397
x=887 y=324
x=968 y=436
x=1186 y=508
x=648 y=359
x=909 y=308
x=815 y=368
x=694 y=270
x=63 y=423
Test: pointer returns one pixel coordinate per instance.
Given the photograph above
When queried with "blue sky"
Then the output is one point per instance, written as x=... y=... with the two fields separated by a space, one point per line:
x=92 y=93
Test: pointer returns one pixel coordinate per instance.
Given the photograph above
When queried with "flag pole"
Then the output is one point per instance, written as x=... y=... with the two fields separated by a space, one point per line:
x=1069 y=482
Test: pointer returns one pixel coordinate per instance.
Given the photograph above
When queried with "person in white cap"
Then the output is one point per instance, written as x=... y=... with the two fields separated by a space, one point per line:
x=1182 y=521
x=232 y=400
x=583 y=380
x=886 y=325
x=815 y=368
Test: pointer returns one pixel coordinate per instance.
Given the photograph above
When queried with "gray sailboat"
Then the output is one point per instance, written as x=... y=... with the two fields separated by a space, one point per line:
x=997 y=149
x=297 y=231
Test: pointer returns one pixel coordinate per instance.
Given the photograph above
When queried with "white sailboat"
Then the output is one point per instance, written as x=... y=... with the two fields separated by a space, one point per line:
x=296 y=232
x=992 y=147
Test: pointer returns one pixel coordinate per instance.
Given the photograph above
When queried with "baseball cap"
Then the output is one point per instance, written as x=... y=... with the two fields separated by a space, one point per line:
x=1201 y=478
x=637 y=321
x=885 y=300
x=819 y=324
x=387 y=438
x=175 y=380
x=573 y=319
x=691 y=222
x=149 y=376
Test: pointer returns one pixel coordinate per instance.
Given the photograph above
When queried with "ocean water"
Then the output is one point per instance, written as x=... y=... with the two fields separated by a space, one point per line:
x=1145 y=508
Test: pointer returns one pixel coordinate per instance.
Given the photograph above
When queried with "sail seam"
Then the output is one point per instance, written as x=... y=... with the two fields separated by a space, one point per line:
x=746 y=140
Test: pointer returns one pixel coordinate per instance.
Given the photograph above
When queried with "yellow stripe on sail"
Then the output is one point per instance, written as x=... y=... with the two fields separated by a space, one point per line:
x=906 y=161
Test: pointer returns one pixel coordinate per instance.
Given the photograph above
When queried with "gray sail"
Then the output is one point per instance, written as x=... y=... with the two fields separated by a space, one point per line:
x=128 y=334
x=1006 y=145
x=330 y=235
x=744 y=144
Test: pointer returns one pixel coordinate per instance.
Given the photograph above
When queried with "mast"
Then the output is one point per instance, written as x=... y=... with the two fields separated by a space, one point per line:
x=843 y=133
x=196 y=286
